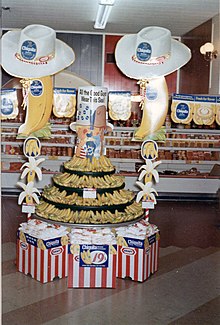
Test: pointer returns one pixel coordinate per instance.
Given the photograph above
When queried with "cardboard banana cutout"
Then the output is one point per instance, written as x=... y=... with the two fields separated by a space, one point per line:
x=154 y=105
x=38 y=100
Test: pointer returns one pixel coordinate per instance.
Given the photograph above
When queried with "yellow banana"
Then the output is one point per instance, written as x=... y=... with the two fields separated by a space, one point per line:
x=39 y=106
x=155 y=107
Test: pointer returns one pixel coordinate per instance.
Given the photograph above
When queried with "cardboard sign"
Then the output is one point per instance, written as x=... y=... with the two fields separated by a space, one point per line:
x=89 y=193
x=94 y=255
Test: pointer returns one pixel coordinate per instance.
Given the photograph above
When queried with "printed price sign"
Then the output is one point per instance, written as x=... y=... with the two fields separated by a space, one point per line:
x=28 y=208
x=94 y=255
x=89 y=193
x=148 y=204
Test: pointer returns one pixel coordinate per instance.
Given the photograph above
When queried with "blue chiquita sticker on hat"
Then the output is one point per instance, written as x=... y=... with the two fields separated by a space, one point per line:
x=36 y=88
x=28 y=50
x=144 y=51
x=182 y=111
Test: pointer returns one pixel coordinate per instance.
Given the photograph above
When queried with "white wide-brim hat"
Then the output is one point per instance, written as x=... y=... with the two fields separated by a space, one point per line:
x=150 y=53
x=34 y=52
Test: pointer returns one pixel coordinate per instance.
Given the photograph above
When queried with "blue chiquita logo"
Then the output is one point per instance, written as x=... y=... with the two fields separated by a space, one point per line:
x=144 y=51
x=36 y=88
x=28 y=50
x=182 y=111
x=151 y=93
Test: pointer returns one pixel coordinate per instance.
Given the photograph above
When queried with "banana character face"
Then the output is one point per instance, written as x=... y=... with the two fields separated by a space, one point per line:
x=149 y=150
x=32 y=147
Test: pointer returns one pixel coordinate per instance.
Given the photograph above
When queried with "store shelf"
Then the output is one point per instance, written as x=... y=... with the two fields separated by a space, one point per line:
x=23 y=158
x=193 y=131
x=131 y=150
x=189 y=148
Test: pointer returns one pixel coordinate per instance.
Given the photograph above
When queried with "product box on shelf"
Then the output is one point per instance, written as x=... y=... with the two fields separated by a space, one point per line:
x=92 y=264
x=137 y=257
x=44 y=260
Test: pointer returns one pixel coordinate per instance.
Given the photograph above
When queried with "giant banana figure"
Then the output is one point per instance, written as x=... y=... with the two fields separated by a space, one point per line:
x=154 y=104
x=38 y=101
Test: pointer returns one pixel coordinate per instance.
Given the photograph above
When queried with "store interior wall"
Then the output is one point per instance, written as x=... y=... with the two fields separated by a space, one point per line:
x=194 y=77
x=214 y=86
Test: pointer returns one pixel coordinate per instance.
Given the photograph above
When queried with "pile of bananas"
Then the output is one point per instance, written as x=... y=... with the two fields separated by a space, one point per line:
x=76 y=181
x=49 y=211
x=102 y=164
x=52 y=194
x=113 y=204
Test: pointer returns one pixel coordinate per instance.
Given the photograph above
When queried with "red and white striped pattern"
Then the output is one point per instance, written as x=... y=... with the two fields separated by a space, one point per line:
x=136 y=263
x=91 y=277
x=42 y=265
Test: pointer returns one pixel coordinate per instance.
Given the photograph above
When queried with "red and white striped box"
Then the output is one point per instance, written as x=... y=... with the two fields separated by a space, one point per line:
x=92 y=266
x=44 y=260
x=138 y=258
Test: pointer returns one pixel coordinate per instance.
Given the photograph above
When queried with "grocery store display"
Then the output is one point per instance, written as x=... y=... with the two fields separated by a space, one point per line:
x=34 y=52
x=150 y=53
x=201 y=109
x=88 y=192
x=148 y=56
x=38 y=101
x=154 y=105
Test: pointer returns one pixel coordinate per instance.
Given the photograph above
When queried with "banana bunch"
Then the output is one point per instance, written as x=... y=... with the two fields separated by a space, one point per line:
x=134 y=210
x=53 y=194
x=39 y=106
x=49 y=211
x=86 y=257
x=84 y=164
x=59 y=197
x=76 y=181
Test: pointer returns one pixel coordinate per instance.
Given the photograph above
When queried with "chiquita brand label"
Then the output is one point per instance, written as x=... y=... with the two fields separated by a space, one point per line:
x=134 y=242
x=94 y=255
x=182 y=108
x=151 y=93
x=36 y=88
x=182 y=111
x=28 y=50
x=144 y=51
x=40 y=243
x=9 y=103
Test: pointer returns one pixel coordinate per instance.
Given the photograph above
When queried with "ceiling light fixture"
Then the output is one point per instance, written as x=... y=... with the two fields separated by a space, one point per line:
x=104 y=9
x=208 y=51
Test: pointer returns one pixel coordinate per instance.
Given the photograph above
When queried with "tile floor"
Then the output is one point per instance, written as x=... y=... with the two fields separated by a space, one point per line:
x=184 y=291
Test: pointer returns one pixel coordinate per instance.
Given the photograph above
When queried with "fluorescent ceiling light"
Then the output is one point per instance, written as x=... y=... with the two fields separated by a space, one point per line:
x=104 y=9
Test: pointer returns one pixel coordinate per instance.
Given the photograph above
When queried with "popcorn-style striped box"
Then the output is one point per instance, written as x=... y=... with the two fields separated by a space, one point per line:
x=92 y=266
x=44 y=260
x=137 y=258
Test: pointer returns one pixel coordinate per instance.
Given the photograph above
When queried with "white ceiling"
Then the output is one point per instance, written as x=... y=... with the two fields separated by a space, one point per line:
x=127 y=16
